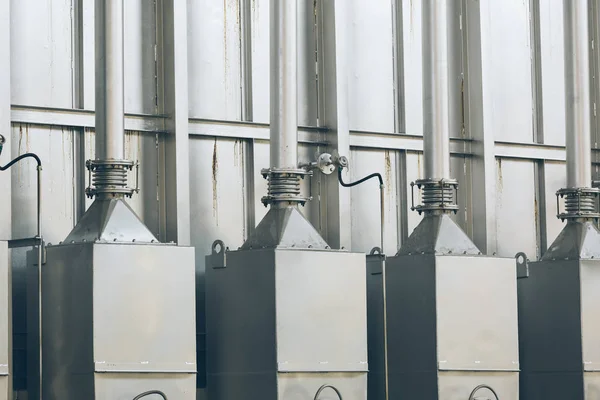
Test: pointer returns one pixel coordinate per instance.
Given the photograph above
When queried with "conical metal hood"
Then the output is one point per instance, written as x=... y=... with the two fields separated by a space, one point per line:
x=580 y=239
x=438 y=234
x=285 y=228
x=577 y=241
x=110 y=220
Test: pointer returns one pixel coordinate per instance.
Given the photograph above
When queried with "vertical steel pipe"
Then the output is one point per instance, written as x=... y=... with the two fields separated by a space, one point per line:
x=284 y=91
x=577 y=93
x=436 y=84
x=110 y=90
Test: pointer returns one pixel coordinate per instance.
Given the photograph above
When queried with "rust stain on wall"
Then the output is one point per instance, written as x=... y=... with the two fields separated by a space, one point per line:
x=20 y=139
x=388 y=172
x=236 y=153
x=499 y=172
x=215 y=171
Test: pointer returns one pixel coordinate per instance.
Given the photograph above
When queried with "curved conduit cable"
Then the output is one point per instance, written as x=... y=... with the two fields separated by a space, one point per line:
x=358 y=182
x=383 y=277
x=38 y=237
x=150 y=392
x=326 y=387
x=22 y=156
x=478 y=388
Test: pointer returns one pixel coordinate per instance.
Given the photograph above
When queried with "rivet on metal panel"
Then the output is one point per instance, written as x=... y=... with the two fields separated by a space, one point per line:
x=522 y=265
x=218 y=254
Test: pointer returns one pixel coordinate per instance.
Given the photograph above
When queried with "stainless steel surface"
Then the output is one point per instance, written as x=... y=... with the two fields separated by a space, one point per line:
x=462 y=329
x=174 y=69
x=110 y=86
x=437 y=44
x=557 y=304
x=284 y=91
x=285 y=228
x=476 y=323
x=378 y=385
x=121 y=314
x=332 y=23
x=500 y=201
x=40 y=250
x=285 y=316
x=110 y=220
x=5 y=324
x=483 y=163
x=577 y=92
x=438 y=234
x=578 y=240
x=363 y=140
x=458 y=385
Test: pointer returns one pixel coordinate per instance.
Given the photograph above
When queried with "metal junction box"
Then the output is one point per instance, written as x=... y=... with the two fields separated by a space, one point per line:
x=118 y=320
x=451 y=327
x=281 y=323
x=559 y=322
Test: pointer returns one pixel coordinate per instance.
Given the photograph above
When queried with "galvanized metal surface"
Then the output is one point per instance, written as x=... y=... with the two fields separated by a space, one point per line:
x=284 y=315
x=5 y=324
x=577 y=93
x=452 y=325
x=508 y=201
x=552 y=301
x=438 y=48
x=283 y=17
x=110 y=87
x=124 y=309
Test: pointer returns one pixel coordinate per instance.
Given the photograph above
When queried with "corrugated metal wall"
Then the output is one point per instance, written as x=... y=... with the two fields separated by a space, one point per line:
x=360 y=91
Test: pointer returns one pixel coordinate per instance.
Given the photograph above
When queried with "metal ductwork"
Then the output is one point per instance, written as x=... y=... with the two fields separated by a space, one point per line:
x=558 y=299
x=432 y=335
x=119 y=307
x=264 y=336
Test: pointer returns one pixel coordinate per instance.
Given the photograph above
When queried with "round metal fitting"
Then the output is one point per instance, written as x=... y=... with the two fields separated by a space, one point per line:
x=325 y=163
x=437 y=195
x=579 y=203
x=284 y=186
x=109 y=177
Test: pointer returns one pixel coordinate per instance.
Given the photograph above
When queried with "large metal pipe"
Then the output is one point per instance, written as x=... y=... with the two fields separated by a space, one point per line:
x=284 y=91
x=436 y=84
x=110 y=135
x=577 y=93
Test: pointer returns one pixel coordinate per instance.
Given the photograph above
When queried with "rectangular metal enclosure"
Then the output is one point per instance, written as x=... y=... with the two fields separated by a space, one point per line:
x=283 y=323
x=559 y=327
x=451 y=326
x=118 y=320
x=5 y=323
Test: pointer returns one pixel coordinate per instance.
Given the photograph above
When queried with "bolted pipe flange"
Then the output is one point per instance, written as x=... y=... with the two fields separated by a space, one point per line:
x=579 y=203
x=109 y=177
x=437 y=195
x=284 y=186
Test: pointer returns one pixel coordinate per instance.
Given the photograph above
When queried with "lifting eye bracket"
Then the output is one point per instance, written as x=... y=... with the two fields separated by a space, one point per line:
x=218 y=255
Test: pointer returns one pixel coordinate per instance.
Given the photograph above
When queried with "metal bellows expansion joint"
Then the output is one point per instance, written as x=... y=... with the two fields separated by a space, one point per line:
x=108 y=178
x=579 y=203
x=438 y=195
x=284 y=186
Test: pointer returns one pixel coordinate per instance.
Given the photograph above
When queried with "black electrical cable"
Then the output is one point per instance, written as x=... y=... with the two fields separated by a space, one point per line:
x=358 y=182
x=330 y=387
x=22 y=156
x=39 y=236
x=471 y=397
x=382 y=224
x=149 y=392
